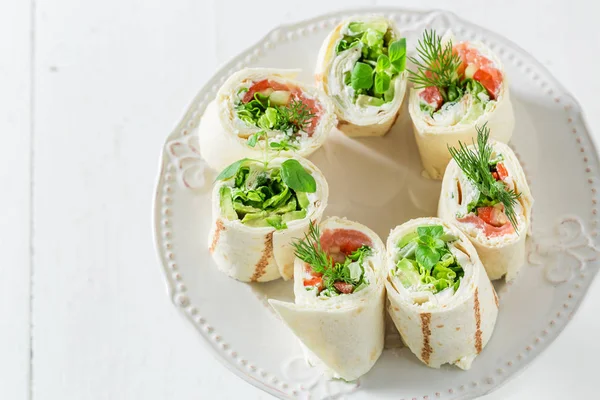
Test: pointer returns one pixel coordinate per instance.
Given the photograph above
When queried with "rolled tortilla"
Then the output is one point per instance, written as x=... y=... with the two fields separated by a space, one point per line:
x=502 y=252
x=355 y=120
x=343 y=334
x=448 y=327
x=261 y=254
x=434 y=135
x=224 y=136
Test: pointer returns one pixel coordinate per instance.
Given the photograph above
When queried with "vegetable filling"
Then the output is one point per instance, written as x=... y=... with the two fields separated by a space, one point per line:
x=382 y=58
x=334 y=260
x=494 y=208
x=425 y=262
x=459 y=83
x=266 y=196
x=272 y=106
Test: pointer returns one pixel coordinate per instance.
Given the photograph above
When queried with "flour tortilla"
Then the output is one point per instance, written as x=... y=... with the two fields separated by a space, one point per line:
x=223 y=136
x=503 y=255
x=342 y=335
x=261 y=254
x=433 y=140
x=329 y=74
x=446 y=329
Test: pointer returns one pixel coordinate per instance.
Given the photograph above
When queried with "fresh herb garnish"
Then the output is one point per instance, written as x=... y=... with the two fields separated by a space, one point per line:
x=351 y=271
x=425 y=261
x=283 y=145
x=362 y=76
x=289 y=119
x=310 y=250
x=475 y=164
x=231 y=170
x=261 y=197
x=437 y=66
x=397 y=54
x=294 y=117
x=382 y=58
x=296 y=177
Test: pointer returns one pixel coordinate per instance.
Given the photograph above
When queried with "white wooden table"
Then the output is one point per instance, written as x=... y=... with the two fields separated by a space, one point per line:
x=88 y=92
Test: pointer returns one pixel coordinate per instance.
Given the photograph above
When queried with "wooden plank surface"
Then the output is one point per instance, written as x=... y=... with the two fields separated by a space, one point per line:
x=112 y=79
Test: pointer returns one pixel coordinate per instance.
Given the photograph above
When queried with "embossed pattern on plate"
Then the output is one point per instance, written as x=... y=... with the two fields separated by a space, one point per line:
x=378 y=182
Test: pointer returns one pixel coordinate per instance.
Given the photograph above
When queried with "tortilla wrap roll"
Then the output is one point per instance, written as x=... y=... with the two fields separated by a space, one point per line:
x=256 y=215
x=296 y=117
x=367 y=92
x=338 y=314
x=440 y=297
x=500 y=245
x=443 y=117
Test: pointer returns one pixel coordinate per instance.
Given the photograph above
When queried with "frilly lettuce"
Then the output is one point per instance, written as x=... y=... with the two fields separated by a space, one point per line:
x=425 y=261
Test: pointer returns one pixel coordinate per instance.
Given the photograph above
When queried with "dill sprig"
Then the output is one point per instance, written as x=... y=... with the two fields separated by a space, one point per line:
x=295 y=116
x=311 y=252
x=437 y=66
x=475 y=164
x=290 y=118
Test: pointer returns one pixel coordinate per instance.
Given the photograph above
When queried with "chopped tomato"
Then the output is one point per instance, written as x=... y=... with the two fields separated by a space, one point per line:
x=344 y=287
x=502 y=172
x=496 y=176
x=432 y=96
x=262 y=86
x=485 y=72
x=490 y=78
x=492 y=215
x=316 y=281
x=485 y=213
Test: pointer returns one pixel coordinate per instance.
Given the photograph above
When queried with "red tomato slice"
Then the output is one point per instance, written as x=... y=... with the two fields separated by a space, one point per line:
x=486 y=74
x=432 y=96
x=490 y=78
x=344 y=241
x=502 y=172
x=485 y=213
x=344 y=287
x=461 y=49
x=492 y=215
x=260 y=86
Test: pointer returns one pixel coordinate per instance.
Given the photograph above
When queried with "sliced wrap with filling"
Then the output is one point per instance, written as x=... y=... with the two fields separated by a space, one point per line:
x=296 y=117
x=500 y=245
x=361 y=67
x=443 y=116
x=256 y=214
x=440 y=297
x=338 y=313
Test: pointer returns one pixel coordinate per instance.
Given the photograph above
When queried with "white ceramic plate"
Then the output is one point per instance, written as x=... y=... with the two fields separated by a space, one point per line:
x=233 y=318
